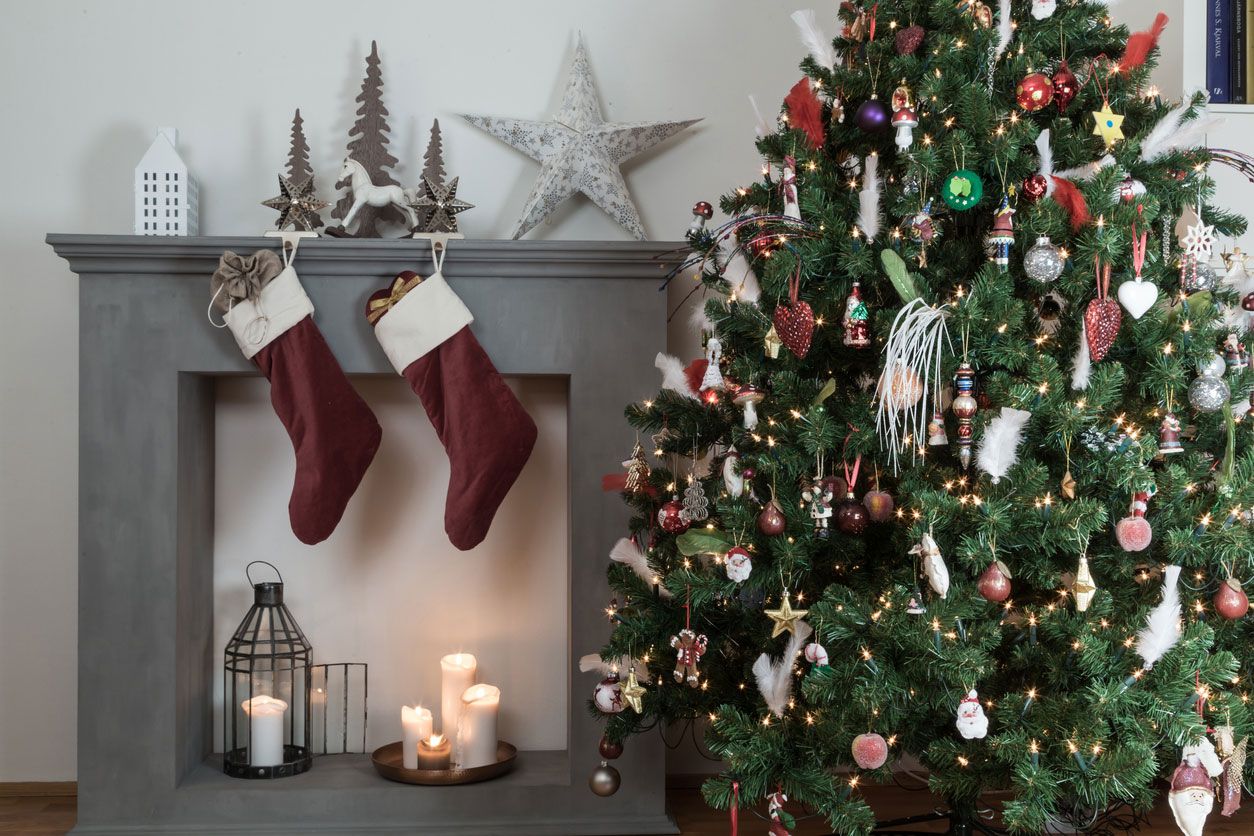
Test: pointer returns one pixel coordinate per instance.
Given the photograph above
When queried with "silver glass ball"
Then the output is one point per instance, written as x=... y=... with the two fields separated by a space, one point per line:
x=605 y=780
x=1213 y=365
x=1208 y=393
x=1043 y=262
x=1201 y=278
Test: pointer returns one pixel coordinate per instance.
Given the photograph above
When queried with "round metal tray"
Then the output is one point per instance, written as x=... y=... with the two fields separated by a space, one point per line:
x=387 y=762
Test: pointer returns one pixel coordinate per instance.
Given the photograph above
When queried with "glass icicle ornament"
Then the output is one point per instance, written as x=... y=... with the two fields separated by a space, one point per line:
x=1043 y=262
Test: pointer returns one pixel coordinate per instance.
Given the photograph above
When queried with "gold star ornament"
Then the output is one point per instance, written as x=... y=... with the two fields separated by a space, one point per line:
x=297 y=205
x=437 y=206
x=785 y=617
x=633 y=692
x=1109 y=125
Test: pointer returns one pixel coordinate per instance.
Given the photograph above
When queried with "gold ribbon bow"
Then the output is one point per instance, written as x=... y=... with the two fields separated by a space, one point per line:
x=378 y=307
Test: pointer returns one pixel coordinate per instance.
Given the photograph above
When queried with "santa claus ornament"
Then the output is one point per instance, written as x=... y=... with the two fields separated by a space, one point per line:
x=972 y=723
x=1043 y=9
x=1134 y=531
x=1192 y=795
x=738 y=564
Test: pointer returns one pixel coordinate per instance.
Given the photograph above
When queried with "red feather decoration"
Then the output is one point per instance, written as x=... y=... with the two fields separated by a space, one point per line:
x=1141 y=44
x=805 y=112
x=695 y=372
x=1070 y=197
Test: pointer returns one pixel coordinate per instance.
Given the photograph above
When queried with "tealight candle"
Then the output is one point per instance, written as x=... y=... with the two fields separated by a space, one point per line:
x=433 y=752
x=265 y=730
x=457 y=674
x=476 y=740
x=417 y=724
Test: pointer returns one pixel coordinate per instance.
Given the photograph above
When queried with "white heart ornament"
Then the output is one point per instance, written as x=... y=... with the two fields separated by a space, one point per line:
x=1137 y=296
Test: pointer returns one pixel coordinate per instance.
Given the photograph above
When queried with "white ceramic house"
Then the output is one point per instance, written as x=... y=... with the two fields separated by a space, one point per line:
x=166 y=196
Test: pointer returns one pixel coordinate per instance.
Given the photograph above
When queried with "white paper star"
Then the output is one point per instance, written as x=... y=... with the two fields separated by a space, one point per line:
x=579 y=151
x=1199 y=241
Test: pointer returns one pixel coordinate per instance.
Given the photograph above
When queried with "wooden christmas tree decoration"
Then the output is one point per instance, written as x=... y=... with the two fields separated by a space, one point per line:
x=436 y=204
x=367 y=145
x=298 y=168
x=297 y=202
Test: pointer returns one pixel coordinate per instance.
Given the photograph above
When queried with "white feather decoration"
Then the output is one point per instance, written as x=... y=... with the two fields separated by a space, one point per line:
x=761 y=126
x=673 y=376
x=1004 y=30
x=737 y=271
x=1173 y=133
x=1046 y=153
x=869 y=198
x=699 y=319
x=775 y=677
x=1082 y=364
x=912 y=363
x=1162 y=626
x=814 y=39
x=999 y=449
x=1085 y=172
x=627 y=552
x=593 y=662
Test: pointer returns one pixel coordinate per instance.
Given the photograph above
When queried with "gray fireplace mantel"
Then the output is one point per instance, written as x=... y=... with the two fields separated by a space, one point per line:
x=585 y=311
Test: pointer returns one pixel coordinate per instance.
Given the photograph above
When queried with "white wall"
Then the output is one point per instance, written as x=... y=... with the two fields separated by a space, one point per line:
x=83 y=86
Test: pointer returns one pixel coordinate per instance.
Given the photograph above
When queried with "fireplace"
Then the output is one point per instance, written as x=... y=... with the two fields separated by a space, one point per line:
x=585 y=313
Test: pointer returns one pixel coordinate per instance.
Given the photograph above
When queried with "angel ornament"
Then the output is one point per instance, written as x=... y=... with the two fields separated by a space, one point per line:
x=818 y=495
x=689 y=648
x=933 y=562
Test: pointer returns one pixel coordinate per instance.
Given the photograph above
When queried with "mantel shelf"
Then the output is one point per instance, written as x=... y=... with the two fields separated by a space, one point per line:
x=480 y=258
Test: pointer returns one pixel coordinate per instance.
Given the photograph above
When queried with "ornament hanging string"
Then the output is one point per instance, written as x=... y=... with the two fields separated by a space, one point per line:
x=688 y=607
x=1139 y=245
x=734 y=809
x=871 y=32
x=1103 y=278
x=1102 y=85
x=851 y=475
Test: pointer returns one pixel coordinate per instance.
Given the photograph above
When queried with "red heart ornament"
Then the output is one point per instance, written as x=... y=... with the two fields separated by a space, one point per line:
x=795 y=325
x=1102 y=319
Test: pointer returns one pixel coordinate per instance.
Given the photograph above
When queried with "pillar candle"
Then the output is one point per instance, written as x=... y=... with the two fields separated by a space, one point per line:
x=457 y=674
x=433 y=752
x=265 y=730
x=416 y=723
x=477 y=735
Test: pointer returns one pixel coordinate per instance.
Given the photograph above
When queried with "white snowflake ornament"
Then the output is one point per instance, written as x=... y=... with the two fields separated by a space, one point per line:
x=1199 y=241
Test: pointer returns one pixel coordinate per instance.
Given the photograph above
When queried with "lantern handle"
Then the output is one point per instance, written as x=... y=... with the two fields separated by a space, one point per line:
x=248 y=570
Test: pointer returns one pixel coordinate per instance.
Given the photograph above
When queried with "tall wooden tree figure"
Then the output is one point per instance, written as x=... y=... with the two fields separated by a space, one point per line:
x=436 y=204
x=298 y=168
x=368 y=145
x=433 y=159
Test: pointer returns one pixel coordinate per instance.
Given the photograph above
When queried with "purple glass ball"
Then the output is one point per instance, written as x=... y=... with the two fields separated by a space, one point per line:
x=872 y=116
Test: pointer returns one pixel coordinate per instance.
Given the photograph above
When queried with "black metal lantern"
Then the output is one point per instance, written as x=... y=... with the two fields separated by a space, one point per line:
x=266 y=689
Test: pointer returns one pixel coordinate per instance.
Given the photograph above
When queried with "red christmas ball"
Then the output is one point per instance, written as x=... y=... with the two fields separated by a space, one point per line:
x=1231 y=601
x=870 y=751
x=671 y=517
x=994 y=583
x=1035 y=92
x=610 y=749
x=851 y=516
x=1133 y=533
x=879 y=504
x=1034 y=188
x=1066 y=86
x=771 y=521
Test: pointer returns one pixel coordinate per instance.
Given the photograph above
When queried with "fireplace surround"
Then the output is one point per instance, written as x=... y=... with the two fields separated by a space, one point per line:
x=586 y=311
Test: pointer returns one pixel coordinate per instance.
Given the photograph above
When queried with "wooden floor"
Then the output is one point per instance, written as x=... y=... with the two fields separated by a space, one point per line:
x=44 y=816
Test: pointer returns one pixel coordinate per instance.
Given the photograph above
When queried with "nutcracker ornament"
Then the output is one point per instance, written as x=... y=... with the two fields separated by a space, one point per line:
x=972 y=723
x=1169 y=435
x=1002 y=236
x=689 y=648
x=1134 y=531
x=964 y=407
x=819 y=499
x=857 y=332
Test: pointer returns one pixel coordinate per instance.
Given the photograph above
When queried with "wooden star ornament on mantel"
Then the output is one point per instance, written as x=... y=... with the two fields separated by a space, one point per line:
x=579 y=151
x=297 y=204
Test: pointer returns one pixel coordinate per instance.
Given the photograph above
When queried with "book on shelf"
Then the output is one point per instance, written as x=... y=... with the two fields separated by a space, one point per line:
x=1230 y=51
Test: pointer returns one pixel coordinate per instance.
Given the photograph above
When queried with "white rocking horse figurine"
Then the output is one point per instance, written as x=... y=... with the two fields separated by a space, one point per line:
x=366 y=193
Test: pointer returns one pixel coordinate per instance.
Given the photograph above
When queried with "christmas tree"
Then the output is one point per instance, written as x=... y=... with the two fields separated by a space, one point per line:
x=368 y=145
x=298 y=168
x=963 y=475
